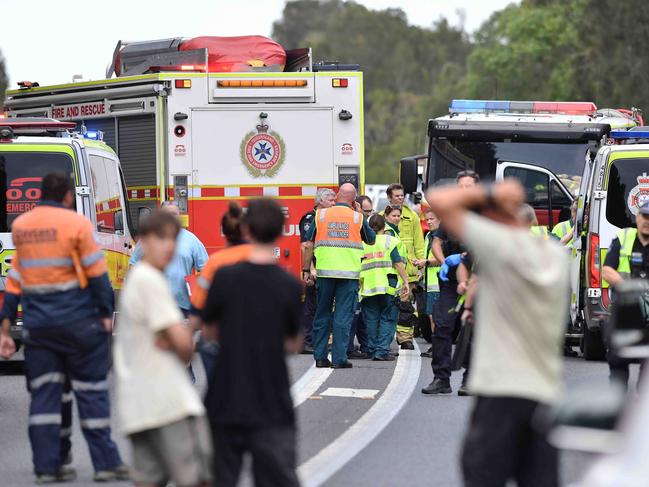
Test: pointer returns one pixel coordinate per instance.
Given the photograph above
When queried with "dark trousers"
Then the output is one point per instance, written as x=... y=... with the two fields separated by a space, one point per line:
x=80 y=352
x=308 y=314
x=344 y=293
x=380 y=314
x=272 y=449
x=359 y=330
x=442 y=340
x=502 y=445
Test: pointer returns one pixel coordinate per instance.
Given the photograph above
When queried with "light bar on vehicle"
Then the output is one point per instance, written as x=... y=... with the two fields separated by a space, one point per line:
x=93 y=135
x=261 y=83
x=500 y=106
x=631 y=134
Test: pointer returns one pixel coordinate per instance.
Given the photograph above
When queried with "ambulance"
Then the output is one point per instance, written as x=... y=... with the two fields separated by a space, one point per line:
x=32 y=147
x=545 y=145
x=614 y=186
x=190 y=124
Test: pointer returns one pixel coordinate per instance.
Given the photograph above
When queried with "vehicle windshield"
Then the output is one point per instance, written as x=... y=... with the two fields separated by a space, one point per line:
x=564 y=160
x=20 y=181
x=628 y=188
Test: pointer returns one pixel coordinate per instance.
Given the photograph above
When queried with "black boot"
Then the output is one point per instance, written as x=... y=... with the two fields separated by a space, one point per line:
x=438 y=386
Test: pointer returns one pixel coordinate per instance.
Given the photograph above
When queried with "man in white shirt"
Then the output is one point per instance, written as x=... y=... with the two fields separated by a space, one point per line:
x=159 y=408
x=516 y=362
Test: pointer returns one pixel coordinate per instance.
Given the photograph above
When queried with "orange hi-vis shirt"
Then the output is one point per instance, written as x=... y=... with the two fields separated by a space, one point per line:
x=56 y=254
x=228 y=256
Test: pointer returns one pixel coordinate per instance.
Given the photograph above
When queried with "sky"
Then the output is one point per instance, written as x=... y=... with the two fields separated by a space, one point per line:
x=60 y=42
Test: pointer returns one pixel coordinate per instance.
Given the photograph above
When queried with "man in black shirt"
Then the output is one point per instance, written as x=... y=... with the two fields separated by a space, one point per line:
x=626 y=259
x=324 y=198
x=257 y=308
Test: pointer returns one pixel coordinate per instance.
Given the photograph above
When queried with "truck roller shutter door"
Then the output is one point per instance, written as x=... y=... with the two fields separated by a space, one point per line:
x=137 y=153
x=107 y=126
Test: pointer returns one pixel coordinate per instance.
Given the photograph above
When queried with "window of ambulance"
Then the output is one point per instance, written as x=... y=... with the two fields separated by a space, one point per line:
x=108 y=203
x=628 y=188
x=21 y=174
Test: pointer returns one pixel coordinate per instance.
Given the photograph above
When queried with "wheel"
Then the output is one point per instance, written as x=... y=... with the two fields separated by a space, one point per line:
x=592 y=345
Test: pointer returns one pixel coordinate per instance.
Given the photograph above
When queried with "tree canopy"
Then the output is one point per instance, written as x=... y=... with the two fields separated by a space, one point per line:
x=3 y=80
x=591 y=50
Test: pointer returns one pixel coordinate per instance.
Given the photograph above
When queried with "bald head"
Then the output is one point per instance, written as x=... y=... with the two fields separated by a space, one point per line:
x=346 y=194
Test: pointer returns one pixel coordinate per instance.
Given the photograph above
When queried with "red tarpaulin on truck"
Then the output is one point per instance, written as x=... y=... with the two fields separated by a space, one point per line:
x=237 y=54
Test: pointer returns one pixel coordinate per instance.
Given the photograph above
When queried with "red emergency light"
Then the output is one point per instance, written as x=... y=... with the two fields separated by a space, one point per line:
x=565 y=107
x=185 y=68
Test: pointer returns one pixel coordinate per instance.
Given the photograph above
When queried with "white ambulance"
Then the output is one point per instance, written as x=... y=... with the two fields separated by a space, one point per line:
x=203 y=138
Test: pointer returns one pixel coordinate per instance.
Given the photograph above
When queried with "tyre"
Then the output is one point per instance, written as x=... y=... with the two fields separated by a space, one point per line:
x=592 y=345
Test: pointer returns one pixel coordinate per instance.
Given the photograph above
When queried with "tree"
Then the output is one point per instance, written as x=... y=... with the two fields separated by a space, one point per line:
x=3 y=80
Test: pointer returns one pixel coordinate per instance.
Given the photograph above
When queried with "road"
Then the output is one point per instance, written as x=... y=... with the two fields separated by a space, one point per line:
x=367 y=426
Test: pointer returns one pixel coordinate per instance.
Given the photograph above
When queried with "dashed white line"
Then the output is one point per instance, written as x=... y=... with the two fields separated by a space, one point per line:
x=333 y=457
x=307 y=385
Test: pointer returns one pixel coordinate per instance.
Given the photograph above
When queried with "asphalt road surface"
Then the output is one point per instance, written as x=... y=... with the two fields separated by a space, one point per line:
x=366 y=426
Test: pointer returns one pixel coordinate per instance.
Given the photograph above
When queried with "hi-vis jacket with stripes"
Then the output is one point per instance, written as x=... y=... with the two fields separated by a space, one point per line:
x=58 y=272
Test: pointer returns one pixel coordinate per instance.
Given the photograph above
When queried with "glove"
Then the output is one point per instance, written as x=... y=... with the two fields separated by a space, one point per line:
x=443 y=272
x=453 y=260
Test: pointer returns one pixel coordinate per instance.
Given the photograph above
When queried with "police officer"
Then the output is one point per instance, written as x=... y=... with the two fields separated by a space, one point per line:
x=324 y=198
x=627 y=257
x=60 y=277
x=447 y=250
x=337 y=237
x=564 y=230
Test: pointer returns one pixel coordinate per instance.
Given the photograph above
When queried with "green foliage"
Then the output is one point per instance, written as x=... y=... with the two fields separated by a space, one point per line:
x=593 y=50
x=3 y=80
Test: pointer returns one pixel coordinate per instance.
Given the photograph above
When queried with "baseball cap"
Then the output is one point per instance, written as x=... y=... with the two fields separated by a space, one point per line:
x=644 y=208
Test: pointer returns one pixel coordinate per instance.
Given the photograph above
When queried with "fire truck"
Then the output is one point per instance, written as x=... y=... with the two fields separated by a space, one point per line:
x=545 y=145
x=202 y=133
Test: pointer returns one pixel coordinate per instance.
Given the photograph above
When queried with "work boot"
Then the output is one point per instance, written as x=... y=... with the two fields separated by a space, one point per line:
x=407 y=346
x=569 y=352
x=428 y=353
x=343 y=365
x=385 y=358
x=358 y=355
x=438 y=386
x=323 y=364
x=464 y=390
x=121 y=473
x=307 y=350
x=65 y=474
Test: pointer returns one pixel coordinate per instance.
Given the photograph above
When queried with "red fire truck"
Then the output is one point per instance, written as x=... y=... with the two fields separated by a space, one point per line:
x=187 y=127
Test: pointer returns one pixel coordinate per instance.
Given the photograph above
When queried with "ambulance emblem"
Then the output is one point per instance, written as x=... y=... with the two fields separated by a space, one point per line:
x=263 y=152
x=639 y=194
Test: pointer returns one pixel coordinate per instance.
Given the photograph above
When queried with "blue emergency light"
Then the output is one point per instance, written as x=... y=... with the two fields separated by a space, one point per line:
x=631 y=134
x=536 y=107
x=94 y=135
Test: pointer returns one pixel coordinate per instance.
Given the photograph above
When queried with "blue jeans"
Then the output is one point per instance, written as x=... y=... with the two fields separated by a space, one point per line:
x=344 y=293
x=380 y=317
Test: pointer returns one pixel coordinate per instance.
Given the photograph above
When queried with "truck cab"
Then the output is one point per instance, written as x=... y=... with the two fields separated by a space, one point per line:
x=32 y=147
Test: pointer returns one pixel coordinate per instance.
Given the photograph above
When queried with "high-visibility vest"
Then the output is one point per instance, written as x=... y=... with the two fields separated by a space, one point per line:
x=377 y=266
x=540 y=231
x=338 y=243
x=562 y=229
x=432 y=278
x=627 y=237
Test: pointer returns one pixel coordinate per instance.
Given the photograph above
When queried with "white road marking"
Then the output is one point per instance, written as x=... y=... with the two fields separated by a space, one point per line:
x=309 y=383
x=333 y=457
x=345 y=392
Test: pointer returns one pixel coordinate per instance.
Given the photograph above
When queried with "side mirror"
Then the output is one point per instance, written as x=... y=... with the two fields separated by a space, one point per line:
x=408 y=175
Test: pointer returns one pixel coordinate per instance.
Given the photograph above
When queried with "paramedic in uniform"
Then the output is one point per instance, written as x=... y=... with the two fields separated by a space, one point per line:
x=337 y=237
x=324 y=198
x=60 y=277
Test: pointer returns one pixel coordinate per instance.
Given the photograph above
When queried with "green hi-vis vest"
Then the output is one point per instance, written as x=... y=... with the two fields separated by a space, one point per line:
x=377 y=265
x=431 y=278
x=562 y=229
x=338 y=244
x=540 y=231
x=627 y=237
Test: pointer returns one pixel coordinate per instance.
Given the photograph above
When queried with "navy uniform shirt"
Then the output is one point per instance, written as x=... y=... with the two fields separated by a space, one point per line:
x=307 y=221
